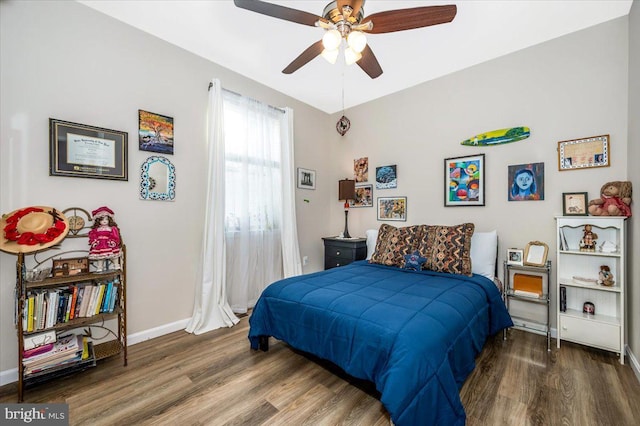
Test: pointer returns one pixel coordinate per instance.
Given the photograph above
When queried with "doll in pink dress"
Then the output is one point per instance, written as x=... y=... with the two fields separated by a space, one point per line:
x=104 y=238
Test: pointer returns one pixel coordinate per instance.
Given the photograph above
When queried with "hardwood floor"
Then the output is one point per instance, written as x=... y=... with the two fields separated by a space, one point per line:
x=216 y=379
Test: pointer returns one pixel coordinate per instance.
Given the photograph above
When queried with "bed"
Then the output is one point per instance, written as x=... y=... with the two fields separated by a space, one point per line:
x=413 y=332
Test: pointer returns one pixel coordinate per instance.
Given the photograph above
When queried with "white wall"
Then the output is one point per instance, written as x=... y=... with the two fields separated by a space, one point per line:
x=64 y=60
x=571 y=87
x=634 y=177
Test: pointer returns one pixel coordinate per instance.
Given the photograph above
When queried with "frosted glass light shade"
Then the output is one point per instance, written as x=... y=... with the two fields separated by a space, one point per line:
x=357 y=41
x=330 y=55
x=331 y=39
x=351 y=56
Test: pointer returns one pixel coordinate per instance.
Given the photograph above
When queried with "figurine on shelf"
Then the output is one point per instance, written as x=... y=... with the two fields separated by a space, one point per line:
x=104 y=240
x=589 y=238
x=605 y=277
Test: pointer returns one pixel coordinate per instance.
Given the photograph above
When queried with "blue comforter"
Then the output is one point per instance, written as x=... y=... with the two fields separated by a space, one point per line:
x=414 y=334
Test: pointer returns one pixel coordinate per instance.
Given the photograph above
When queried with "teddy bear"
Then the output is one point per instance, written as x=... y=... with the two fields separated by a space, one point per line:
x=615 y=200
x=605 y=277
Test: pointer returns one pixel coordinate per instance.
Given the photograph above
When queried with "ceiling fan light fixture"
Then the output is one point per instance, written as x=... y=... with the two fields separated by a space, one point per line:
x=331 y=40
x=357 y=41
x=351 y=56
x=330 y=55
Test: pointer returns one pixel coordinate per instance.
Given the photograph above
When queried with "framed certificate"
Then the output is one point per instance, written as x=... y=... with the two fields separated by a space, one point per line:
x=78 y=150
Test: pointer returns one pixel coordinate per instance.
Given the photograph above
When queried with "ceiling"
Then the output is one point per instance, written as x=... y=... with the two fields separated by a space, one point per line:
x=259 y=47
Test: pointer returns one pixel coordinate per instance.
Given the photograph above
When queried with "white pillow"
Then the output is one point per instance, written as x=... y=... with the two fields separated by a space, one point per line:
x=484 y=248
x=372 y=237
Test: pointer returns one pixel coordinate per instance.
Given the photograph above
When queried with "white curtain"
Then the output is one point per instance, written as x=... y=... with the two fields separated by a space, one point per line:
x=291 y=263
x=211 y=309
x=261 y=235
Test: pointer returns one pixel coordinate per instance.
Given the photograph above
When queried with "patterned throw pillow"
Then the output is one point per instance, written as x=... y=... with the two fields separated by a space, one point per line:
x=448 y=248
x=394 y=243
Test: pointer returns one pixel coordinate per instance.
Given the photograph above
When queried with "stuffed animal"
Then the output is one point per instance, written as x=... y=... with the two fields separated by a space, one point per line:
x=615 y=200
x=605 y=277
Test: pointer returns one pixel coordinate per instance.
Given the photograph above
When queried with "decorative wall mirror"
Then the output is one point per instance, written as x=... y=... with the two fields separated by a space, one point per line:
x=158 y=179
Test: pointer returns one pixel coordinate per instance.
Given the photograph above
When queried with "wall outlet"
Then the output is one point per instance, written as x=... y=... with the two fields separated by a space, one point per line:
x=305 y=260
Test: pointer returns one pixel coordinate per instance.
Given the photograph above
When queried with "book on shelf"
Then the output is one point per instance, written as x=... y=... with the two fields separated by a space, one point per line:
x=66 y=368
x=35 y=340
x=563 y=299
x=65 y=349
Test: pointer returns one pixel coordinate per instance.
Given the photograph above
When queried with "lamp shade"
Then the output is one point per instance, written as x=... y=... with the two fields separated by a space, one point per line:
x=346 y=189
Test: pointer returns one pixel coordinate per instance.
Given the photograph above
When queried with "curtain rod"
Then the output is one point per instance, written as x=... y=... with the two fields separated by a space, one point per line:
x=238 y=94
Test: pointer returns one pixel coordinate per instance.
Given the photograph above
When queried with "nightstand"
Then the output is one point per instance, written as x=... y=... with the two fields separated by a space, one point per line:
x=342 y=251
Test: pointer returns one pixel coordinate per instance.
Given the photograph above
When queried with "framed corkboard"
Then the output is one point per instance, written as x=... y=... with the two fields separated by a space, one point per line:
x=584 y=153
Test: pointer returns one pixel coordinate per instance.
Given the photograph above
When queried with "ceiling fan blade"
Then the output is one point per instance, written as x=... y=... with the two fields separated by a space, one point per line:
x=310 y=52
x=408 y=19
x=369 y=63
x=355 y=5
x=281 y=12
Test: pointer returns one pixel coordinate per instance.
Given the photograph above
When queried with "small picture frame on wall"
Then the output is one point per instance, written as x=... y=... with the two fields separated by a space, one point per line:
x=526 y=182
x=155 y=132
x=575 y=204
x=306 y=178
x=515 y=256
x=392 y=208
x=364 y=196
x=361 y=169
x=387 y=177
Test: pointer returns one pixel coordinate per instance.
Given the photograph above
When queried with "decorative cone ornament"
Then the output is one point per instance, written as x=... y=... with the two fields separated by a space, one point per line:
x=343 y=125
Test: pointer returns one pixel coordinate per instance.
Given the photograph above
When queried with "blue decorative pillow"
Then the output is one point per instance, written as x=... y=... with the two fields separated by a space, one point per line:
x=414 y=261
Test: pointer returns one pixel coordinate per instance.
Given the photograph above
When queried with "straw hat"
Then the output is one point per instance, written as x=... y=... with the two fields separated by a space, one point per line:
x=31 y=229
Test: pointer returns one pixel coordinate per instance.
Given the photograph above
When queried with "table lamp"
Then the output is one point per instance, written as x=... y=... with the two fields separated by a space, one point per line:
x=346 y=192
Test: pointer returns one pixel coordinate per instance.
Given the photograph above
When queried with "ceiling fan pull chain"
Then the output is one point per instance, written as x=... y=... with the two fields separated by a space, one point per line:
x=343 y=125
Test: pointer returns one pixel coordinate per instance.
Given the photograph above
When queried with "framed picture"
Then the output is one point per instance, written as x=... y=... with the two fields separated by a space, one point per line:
x=464 y=181
x=575 y=204
x=392 y=208
x=584 y=153
x=361 y=169
x=515 y=256
x=306 y=178
x=535 y=253
x=78 y=150
x=526 y=182
x=155 y=132
x=386 y=177
x=364 y=196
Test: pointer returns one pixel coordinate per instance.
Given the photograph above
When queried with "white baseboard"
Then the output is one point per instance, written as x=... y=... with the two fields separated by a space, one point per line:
x=633 y=363
x=11 y=375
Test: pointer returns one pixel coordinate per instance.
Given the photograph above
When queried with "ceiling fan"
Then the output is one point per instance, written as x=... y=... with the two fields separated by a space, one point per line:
x=345 y=19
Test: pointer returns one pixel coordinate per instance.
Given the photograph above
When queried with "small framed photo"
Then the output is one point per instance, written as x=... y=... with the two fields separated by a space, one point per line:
x=515 y=256
x=306 y=178
x=78 y=150
x=464 y=181
x=364 y=196
x=575 y=204
x=584 y=153
x=535 y=253
x=392 y=208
